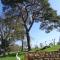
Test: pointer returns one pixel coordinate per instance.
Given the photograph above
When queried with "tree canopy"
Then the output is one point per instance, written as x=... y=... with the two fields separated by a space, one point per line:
x=30 y=11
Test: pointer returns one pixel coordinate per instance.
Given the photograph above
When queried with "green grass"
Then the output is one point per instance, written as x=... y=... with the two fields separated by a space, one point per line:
x=53 y=48
x=7 y=58
x=22 y=57
x=21 y=54
x=12 y=57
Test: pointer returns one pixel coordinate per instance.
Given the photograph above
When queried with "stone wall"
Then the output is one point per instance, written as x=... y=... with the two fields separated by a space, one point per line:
x=42 y=55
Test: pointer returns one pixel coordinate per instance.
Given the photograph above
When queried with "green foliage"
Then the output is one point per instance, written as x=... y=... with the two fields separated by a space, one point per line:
x=58 y=43
x=22 y=57
x=13 y=30
x=51 y=44
x=15 y=25
x=11 y=2
x=45 y=47
x=48 y=18
x=12 y=54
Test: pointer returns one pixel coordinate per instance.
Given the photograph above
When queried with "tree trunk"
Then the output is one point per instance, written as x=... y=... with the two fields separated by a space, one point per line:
x=22 y=45
x=28 y=40
x=3 y=46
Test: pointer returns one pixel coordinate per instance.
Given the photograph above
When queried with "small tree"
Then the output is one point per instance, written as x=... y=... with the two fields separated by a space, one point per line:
x=41 y=45
x=53 y=41
x=58 y=43
x=51 y=44
x=36 y=47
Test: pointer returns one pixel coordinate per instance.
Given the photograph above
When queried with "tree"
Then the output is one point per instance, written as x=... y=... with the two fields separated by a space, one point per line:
x=41 y=45
x=36 y=46
x=14 y=48
x=54 y=42
x=17 y=28
x=4 y=33
x=8 y=31
x=51 y=44
x=31 y=11
x=58 y=43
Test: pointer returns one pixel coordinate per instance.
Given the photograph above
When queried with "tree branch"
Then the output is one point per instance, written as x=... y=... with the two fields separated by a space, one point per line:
x=26 y=16
x=31 y=25
x=24 y=22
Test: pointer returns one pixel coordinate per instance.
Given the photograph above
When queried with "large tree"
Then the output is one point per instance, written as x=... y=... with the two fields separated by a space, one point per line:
x=4 y=33
x=31 y=11
x=10 y=30
x=17 y=28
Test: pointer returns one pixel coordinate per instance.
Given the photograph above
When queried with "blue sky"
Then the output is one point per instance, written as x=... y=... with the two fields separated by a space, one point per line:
x=55 y=5
x=0 y=8
x=38 y=36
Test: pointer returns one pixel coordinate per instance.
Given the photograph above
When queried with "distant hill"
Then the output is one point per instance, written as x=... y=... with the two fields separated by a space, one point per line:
x=53 y=48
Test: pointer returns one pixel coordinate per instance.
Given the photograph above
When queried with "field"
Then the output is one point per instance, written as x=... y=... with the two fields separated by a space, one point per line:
x=12 y=57
x=21 y=54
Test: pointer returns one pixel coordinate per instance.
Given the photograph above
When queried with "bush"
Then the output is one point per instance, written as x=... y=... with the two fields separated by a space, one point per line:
x=45 y=47
x=12 y=54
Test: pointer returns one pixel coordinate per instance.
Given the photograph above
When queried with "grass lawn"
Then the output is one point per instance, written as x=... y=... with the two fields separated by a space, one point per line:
x=7 y=58
x=22 y=57
x=53 y=48
x=21 y=54
x=10 y=57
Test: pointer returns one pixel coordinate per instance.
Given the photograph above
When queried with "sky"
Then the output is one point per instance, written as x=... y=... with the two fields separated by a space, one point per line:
x=0 y=9
x=55 y=5
x=38 y=36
